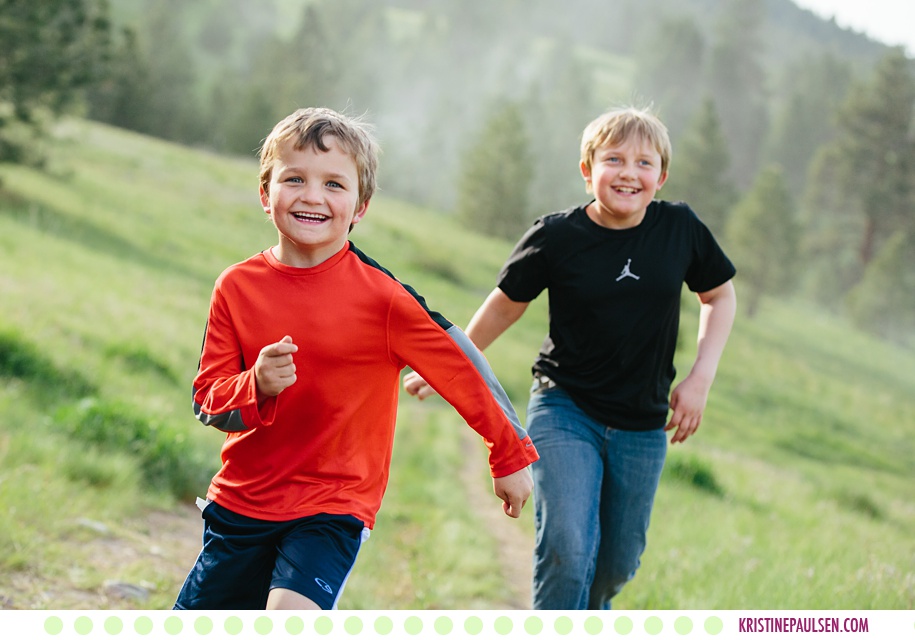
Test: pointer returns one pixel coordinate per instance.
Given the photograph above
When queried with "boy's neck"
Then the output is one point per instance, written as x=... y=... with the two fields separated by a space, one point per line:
x=609 y=221
x=305 y=259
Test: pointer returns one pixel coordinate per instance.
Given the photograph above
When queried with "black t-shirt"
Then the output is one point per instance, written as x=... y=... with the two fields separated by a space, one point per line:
x=614 y=304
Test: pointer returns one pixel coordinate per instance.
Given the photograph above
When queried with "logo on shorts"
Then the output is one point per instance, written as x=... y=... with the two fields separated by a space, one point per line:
x=324 y=585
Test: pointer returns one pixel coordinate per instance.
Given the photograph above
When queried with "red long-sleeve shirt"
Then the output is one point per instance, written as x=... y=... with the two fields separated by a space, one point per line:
x=323 y=445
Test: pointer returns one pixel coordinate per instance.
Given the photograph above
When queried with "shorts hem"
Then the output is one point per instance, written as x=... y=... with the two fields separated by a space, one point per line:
x=296 y=588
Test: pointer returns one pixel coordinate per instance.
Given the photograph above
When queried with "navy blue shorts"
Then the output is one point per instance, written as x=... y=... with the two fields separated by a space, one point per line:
x=244 y=558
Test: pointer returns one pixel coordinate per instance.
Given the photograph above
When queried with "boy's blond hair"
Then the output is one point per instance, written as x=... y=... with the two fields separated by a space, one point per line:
x=308 y=128
x=619 y=125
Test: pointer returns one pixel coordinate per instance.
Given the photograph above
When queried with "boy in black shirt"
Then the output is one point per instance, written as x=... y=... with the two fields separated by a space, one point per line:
x=614 y=269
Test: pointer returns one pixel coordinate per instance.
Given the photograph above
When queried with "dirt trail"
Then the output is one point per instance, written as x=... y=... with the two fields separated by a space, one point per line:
x=170 y=541
x=514 y=541
x=167 y=541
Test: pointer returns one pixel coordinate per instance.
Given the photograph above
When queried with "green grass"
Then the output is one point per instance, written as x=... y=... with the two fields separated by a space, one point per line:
x=428 y=547
x=796 y=493
x=808 y=440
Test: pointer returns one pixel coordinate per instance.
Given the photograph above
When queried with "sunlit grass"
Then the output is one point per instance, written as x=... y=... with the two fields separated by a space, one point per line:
x=795 y=493
x=429 y=548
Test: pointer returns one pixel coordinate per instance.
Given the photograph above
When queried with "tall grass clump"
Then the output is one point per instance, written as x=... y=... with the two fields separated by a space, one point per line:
x=137 y=358
x=20 y=359
x=166 y=459
x=694 y=472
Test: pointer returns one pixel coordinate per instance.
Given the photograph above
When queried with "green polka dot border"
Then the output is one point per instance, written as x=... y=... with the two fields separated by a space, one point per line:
x=336 y=625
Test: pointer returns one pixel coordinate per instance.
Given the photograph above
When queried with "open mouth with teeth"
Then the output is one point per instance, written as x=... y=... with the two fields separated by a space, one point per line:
x=626 y=190
x=309 y=217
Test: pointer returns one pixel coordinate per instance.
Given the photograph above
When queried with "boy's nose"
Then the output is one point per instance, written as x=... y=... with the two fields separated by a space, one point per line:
x=628 y=169
x=312 y=193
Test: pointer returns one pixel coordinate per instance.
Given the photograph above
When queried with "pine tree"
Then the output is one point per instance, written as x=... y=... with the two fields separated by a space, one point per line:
x=699 y=173
x=344 y=75
x=496 y=176
x=831 y=227
x=883 y=302
x=118 y=98
x=561 y=102
x=173 y=110
x=806 y=117
x=670 y=67
x=762 y=236
x=878 y=151
x=49 y=50
x=736 y=81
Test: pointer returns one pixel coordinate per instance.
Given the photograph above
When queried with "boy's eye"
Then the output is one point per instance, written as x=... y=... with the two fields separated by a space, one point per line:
x=294 y=179
x=334 y=184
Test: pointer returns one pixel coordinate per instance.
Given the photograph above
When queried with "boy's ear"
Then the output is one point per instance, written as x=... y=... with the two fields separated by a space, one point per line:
x=265 y=199
x=586 y=174
x=360 y=211
x=359 y=214
x=662 y=180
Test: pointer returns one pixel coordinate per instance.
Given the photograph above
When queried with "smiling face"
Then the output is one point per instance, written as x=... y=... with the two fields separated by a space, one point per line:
x=313 y=200
x=624 y=178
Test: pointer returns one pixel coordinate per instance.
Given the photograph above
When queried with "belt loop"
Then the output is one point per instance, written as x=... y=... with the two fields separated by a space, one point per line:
x=543 y=382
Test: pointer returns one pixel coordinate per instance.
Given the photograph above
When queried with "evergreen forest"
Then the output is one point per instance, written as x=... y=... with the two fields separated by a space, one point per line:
x=479 y=107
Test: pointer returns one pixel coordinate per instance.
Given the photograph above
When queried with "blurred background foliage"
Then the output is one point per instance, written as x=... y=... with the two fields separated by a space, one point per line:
x=479 y=107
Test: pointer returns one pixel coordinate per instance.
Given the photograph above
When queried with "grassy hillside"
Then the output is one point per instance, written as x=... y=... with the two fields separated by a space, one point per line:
x=796 y=493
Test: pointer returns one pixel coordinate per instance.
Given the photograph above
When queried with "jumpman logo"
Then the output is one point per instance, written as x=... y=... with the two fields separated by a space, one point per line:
x=626 y=272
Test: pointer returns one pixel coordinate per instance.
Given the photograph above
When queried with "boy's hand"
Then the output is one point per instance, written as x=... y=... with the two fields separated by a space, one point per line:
x=417 y=386
x=274 y=369
x=514 y=489
x=687 y=403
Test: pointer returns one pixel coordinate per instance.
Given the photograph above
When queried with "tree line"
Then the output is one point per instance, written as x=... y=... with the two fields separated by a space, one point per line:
x=803 y=167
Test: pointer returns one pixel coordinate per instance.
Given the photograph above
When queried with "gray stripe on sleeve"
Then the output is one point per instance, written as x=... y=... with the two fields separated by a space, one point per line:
x=482 y=366
x=229 y=421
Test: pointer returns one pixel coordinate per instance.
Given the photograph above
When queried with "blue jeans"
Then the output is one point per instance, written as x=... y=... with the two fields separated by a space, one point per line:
x=594 y=487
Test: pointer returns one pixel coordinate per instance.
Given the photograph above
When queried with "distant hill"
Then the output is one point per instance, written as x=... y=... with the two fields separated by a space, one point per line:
x=789 y=30
x=428 y=72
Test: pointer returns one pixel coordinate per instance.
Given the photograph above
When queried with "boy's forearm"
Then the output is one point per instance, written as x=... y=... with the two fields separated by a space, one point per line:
x=455 y=367
x=475 y=355
x=224 y=395
x=716 y=317
x=489 y=412
x=231 y=404
x=497 y=313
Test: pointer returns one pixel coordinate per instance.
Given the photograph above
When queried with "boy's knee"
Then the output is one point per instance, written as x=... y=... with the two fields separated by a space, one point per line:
x=566 y=554
x=609 y=581
x=566 y=547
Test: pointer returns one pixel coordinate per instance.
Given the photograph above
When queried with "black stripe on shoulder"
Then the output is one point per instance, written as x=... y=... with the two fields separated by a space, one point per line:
x=439 y=319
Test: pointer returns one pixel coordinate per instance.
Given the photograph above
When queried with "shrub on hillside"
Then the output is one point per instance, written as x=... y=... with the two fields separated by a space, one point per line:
x=695 y=472
x=22 y=360
x=168 y=462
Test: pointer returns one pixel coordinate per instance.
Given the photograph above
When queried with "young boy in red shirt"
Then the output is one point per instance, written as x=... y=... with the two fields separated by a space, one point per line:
x=300 y=367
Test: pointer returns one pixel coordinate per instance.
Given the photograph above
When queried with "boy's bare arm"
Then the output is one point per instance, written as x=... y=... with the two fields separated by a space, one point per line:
x=497 y=313
x=514 y=489
x=274 y=369
x=687 y=402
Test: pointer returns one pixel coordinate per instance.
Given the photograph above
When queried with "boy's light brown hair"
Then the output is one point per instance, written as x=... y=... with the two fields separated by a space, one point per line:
x=619 y=125
x=308 y=128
